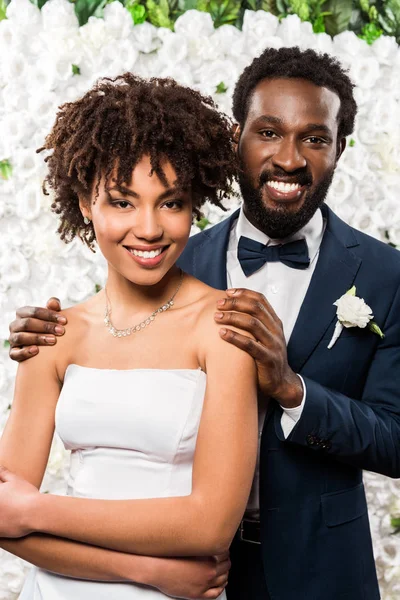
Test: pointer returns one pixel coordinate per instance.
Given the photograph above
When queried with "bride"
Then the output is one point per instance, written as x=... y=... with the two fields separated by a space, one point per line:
x=158 y=411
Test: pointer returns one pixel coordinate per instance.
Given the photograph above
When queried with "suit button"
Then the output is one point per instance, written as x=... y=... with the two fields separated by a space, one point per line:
x=311 y=440
x=327 y=445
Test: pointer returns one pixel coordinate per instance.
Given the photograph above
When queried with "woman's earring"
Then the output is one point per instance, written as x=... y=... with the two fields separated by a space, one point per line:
x=86 y=220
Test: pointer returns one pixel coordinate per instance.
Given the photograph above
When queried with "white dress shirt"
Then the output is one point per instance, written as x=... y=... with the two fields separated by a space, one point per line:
x=285 y=288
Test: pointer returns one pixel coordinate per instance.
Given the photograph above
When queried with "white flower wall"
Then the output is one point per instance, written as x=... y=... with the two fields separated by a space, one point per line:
x=38 y=49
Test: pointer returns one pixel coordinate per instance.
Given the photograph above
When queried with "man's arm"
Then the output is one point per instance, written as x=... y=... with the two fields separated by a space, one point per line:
x=361 y=432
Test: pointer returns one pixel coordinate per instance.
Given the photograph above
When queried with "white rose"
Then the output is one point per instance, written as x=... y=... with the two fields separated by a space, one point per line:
x=349 y=44
x=259 y=24
x=322 y=42
x=365 y=72
x=194 y=23
x=95 y=34
x=174 y=49
x=24 y=16
x=229 y=40
x=118 y=20
x=385 y=49
x=295 y=32
x=145 y=37
x=59 y=14
x=353 y=311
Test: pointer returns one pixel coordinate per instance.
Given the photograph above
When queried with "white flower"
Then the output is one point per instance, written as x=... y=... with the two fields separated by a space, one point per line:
x=59 y=14
x=145 y=37
x=194 y=23
x=259 y=24
x=174 y=49
x=295 y=32
x=365 y=72
x=118 y=20
x=228 y=40
x=24 y=16
x=353 y=311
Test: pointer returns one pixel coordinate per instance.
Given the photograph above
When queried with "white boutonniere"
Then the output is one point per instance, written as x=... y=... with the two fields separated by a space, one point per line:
x=353 y=312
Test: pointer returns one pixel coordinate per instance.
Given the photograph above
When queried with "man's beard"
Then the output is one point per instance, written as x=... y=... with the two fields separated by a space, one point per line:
x=280 y=223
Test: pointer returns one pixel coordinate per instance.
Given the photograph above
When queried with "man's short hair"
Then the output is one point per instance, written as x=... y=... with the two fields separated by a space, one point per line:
x=292 y=63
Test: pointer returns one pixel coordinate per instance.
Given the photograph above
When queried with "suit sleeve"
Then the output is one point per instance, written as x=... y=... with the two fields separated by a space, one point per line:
x=364 y=433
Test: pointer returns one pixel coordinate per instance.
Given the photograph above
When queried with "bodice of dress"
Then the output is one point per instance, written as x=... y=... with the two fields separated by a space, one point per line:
x=132 y=433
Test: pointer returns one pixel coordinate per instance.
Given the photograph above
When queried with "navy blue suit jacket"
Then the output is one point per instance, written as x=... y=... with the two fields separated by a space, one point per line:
x=316 y=542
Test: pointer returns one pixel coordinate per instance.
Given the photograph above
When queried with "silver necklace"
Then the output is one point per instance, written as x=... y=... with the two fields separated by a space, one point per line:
x=135 y=328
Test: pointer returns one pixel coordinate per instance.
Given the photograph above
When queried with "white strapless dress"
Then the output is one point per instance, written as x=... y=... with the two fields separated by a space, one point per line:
x=132 y=434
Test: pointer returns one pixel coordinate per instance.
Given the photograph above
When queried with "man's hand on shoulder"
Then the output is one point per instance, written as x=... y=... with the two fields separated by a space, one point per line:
x=33 y=327
x=251 y=312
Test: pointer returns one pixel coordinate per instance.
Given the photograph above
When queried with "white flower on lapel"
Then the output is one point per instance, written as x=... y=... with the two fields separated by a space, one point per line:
x=352 y=311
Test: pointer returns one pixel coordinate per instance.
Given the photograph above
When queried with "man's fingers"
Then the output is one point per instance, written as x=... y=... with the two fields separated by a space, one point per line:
x=19 y=340
x=41 y=314
x=252 y=347
x=53 y=304
x=21 y=354
x=247 y=323
x=243 y=300
x=31 y=325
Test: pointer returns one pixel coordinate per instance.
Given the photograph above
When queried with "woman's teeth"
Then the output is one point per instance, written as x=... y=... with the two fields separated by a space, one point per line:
x=283 y=187
x=145 y=253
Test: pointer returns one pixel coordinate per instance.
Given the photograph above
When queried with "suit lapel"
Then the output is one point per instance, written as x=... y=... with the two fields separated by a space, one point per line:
x=209 y=257
x=334 y=274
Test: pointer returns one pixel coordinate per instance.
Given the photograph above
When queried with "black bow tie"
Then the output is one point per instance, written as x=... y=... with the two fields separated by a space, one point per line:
x=253 y=255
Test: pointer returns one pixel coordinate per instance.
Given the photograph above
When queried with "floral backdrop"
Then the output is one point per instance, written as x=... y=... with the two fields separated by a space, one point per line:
x=47 y=59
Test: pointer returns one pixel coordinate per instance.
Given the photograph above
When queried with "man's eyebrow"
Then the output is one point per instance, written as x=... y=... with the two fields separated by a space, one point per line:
x=128 y=192
x=319 y=127
x=269 y=119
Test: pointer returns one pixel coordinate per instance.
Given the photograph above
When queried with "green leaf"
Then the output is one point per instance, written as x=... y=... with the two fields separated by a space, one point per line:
x=352 y=143
x=3 y=8
x=319 y=24
x=88 y=8
x=340 y=15
x=372 y=326
x=97 y=288
x=39 y=3
x=370 y=32
x=137 y=12
x=202 y=223
x=221 y=88
x=269 y=6
x=76 y=70
x=364 y=5
x=6 y=344
x=159 y=13
x=352 y=291
x=395 y=523
x=5 y=169
x=225 y=12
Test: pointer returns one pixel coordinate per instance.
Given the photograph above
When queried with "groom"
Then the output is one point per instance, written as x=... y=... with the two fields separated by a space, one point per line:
x=286 y=258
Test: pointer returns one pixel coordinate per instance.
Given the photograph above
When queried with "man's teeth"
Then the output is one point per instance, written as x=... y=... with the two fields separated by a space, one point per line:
x=145 y=253
x=281 y=186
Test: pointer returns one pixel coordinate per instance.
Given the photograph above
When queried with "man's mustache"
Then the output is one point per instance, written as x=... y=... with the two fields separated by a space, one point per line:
x=301 y=177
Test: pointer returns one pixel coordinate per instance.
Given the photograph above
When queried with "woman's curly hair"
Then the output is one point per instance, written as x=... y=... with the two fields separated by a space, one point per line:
x=116 y=123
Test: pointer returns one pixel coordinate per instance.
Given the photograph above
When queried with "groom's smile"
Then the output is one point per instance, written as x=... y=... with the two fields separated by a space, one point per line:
x=288 y=149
